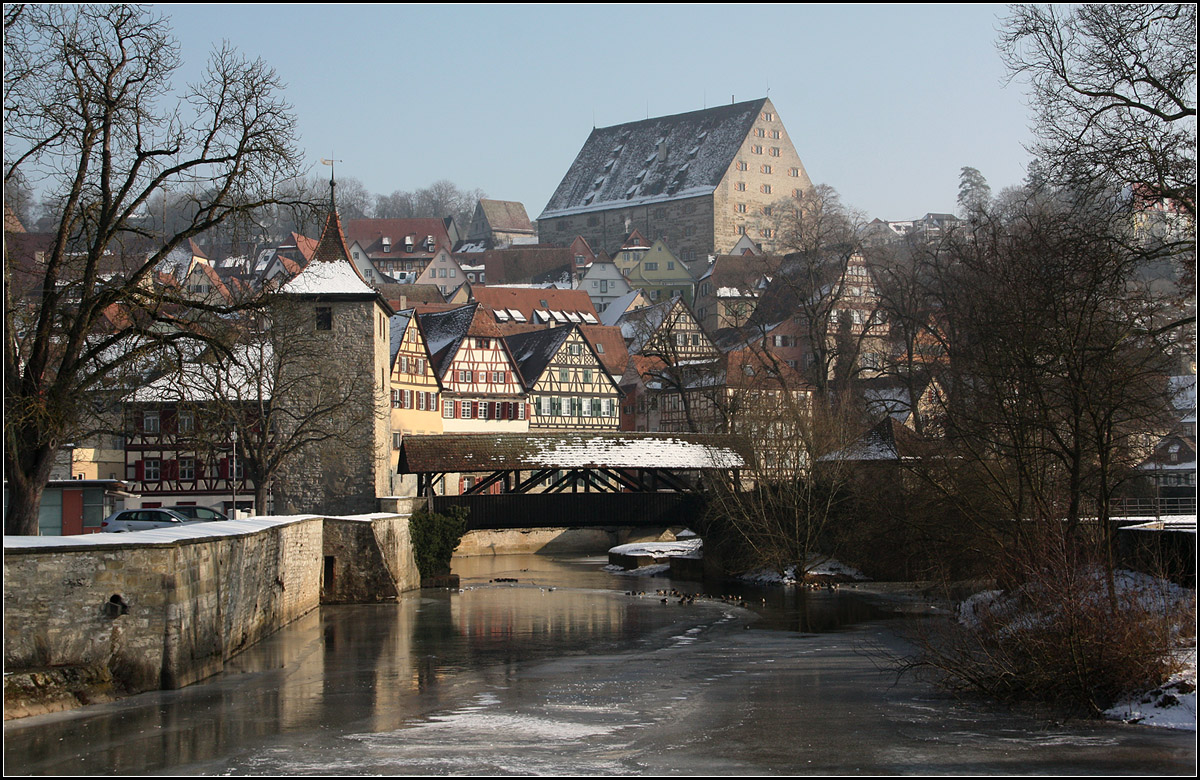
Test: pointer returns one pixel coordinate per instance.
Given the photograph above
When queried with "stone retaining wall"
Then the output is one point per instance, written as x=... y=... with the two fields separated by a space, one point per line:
x=555 y=540
x=167 y=608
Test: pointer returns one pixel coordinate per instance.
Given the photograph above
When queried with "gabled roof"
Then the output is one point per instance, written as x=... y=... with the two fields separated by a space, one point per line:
x=736 y=275
x=306 y=246
x=507 y=216
x=402 y=296
x=654 y=160
x=398 y=324
x=444 y=332
x=888 y=441
x=618 y=308
x=640 y=325
x=609 y=345
x=635 y=240
x=214 y=279
x=532 y=351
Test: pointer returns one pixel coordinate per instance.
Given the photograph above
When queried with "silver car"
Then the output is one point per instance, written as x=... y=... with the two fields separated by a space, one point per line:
x=142 y=520
x=198 y=514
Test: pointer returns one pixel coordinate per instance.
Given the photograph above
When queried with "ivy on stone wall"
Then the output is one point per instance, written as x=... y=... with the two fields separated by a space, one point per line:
x=434 y=537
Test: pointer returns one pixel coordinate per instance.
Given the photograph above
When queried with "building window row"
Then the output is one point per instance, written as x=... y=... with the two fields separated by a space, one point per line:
x=182 y=469
x=554 y=406
x=415 y=399
x=483 y=410
x=412 y=365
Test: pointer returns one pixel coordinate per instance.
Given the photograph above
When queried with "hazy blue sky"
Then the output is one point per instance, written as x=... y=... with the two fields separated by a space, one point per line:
x=886 y=103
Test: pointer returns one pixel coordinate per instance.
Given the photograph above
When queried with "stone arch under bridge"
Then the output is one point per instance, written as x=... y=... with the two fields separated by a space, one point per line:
x=573 y=480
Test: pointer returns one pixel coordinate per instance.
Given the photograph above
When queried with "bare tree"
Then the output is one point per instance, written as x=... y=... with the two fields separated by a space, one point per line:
x=354 y=201
x=444 y=199
x=818 y=281
x=88 y=118
x=908 y=306
x=798 y=484
x=398 y=205
x=676 y=362
x=1058 y=361
x=1114 y=88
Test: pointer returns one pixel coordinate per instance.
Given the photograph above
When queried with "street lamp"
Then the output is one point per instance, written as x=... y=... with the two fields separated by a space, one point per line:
x=233 y=470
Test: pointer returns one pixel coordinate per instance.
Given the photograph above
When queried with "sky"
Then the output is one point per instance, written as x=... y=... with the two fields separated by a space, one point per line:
x=885 y=103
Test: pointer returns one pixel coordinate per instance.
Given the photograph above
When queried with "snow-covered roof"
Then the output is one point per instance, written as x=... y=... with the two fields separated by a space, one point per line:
x=654 y=160
x=328 y=278
x=491 y=452
x=247 y=377
x=444 y=331
x=616 y=309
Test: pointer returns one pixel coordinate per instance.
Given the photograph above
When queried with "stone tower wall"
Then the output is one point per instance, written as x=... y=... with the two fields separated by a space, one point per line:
x=346 y=475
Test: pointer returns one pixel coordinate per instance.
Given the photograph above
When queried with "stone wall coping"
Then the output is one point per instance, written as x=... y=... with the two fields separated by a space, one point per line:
x=168 y=537
x=368 y=518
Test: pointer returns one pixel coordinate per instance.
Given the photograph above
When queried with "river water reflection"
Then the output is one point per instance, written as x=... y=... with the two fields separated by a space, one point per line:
x=564 y=672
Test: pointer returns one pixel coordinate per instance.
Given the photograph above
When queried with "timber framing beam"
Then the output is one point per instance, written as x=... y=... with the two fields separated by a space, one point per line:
x=596 y=479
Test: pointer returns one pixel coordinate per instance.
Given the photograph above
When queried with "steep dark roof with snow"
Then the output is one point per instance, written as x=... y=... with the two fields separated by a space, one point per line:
x=444 y=331
x=399 y=322
x=654 y=160
x=533 y=350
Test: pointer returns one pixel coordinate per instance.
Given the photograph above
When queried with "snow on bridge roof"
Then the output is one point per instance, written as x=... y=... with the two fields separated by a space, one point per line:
x=497 y=452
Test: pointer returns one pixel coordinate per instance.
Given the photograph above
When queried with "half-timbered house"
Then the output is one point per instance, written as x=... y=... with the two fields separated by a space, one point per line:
x=481 y=387
x=569 y=387
x=175 y=453
x=416 y=392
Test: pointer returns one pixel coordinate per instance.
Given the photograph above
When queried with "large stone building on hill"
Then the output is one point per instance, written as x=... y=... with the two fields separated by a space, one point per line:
x=699 y=180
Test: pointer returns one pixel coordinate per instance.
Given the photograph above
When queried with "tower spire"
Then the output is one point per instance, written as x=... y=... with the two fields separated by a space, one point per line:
x=332 y=183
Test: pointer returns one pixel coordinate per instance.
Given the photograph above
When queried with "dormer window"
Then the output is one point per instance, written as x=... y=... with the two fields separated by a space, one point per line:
x=387 y=244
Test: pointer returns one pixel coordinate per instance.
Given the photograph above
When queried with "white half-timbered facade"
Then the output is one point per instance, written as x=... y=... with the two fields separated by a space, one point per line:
x=482 y=390
x=568 y=384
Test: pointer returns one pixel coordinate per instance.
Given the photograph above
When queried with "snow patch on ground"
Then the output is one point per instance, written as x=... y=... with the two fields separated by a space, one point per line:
x=1171 y=706
x=818 y=567
x=660 y=549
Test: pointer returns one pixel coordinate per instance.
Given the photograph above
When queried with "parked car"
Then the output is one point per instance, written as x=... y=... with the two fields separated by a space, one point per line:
x=142 y=520
x=200 y=514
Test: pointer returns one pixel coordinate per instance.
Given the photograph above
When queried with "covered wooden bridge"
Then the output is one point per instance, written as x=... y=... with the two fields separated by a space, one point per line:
x=570 y=480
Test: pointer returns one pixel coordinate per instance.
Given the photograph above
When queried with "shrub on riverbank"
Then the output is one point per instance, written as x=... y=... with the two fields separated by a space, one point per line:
x=1061 y=636
x=434 y=537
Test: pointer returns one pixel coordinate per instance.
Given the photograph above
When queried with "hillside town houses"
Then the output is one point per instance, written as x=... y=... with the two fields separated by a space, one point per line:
x=653 y=293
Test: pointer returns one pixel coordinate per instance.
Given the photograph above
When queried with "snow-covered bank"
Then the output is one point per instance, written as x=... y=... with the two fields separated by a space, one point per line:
x=825 y=569
x=1173 y=705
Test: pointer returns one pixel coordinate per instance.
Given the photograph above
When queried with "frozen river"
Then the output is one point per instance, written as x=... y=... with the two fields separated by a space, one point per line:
x=563 y=672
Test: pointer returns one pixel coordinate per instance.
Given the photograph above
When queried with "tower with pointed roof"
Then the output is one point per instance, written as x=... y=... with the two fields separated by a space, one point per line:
x=351 y=321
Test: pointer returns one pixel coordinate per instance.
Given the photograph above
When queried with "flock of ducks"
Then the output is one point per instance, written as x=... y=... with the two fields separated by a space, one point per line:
x=665 y=596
